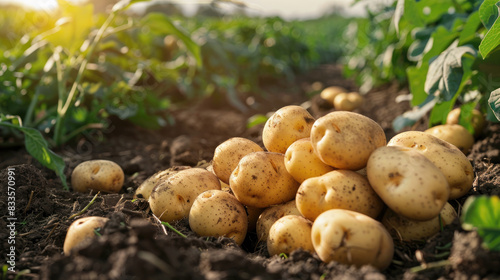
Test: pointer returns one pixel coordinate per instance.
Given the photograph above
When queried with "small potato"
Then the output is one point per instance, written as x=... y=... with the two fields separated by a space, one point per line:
x=409 y=183
x=347 y=101
x=261 y=180
x=350 y=237
x=82 y=231
x=144 y=190
x=172 y=199
x=229 y=153
x=338 y=189
x=449 y=159
x=478 y=122
x=329 y=93
x=410 y=230
x=288 y=234
x=345 y=140
x=302 y=163
x=286 y=126
x=99 y=175
x=454 y=134
x=271 y=215
x=218 y=213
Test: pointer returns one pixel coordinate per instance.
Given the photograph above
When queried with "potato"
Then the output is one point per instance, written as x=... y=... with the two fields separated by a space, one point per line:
x=347 y=101
x=229 y=153
x=271 y=215
x=409 y=230
x=302 y=163
x=253 y=214
x=144 y=190
x=261 y=180
x=172 y=199
x=454 y=134
x=450 y=160
x=331 y=92
x=478 y=122
x=82 y=231
x=409 y=183
x=338 y=189
x=218 y=213
x=345 y=140
x=286 y=126
x=101 y=175
x=350 y=237
x=288 y=234
x=224 y=186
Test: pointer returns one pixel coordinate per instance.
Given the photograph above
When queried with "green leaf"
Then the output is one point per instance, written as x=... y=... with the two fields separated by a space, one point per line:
x=488 y=12
x=494 y=102
x=256 y=120
x=492 y=39
x=416 y=80
x=470 y=28
x=411 y=117
x=482 y=213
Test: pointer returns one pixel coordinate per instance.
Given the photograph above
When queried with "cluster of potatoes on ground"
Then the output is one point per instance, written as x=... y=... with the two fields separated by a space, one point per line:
x=332 y=185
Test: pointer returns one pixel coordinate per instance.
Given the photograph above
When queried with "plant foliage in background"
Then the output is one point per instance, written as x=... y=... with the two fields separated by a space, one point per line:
x=482 y=213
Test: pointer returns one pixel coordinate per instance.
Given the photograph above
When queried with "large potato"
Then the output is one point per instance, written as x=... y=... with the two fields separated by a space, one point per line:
x=454 y=134
x=82 y=231
x=261 y=180
x=288 y=234
x=410 y=230
x=409 y=183
x=172 y=199
x=271 y=215
x=101 y=175
x=302 y=163
x=478 y=122
x=229 y=153
x=450 y=160
x=338 y=189
x=350 y=237
x=286 y=126
x=144 y=190
x=345 y=140
x=218 y=213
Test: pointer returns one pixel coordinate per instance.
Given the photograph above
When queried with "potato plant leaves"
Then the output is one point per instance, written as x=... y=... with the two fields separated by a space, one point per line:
x=489 y=16
x=482 y=213
x=494 y=102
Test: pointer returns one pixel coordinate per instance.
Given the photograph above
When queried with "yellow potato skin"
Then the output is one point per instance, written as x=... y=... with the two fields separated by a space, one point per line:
x=261 y=180
x=345 y=140
x=331 y=92
x=229 y=153
x=172 y=199
x=82 y=231
x=478 y=122
x=352 y=238
x=449 y=159
x=286 y=126
x=454 y=134
x=144 y=190
x=218 y=213
x=408 y=183
x=270 y=215
x=302 y=163
x=347 y=101
x=101 y=175
x=338 y=189
x=288 y=234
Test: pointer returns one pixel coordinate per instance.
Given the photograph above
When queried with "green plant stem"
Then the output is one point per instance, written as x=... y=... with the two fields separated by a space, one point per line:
x=431 y=265
x=82 y=129
x=174 y=229
x=86 y=207
x=29 y=114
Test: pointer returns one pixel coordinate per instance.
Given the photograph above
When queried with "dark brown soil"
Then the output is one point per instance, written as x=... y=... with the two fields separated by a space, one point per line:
x=134 y=245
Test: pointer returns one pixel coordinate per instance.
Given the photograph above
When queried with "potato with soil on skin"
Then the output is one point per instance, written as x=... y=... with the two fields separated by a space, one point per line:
x=288 y=234
x=478 y=122
x=411 y=230
x=302 y=163
x=449 y=159
x=454 y=134
x=286 y=126
x=270 y=215
x=172 y=199
x=218 y=213
x=352 y=238
x=338 y=189
x=229 y=153
x=261 y=180
x=144 y=190
x=82 y=231
x=345 y=140
x=347 y=101
x=223 y=186
x=100 y=175
x=409 y=183
x=331 y=92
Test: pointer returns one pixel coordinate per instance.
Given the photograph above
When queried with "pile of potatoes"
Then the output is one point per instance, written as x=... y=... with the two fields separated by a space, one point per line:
x=341 y=99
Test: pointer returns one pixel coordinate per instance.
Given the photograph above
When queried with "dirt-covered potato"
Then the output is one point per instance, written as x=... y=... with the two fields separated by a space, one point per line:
x=411 y=230
x=449 y=159
x=350 y=237
x=478 y=122
x=172 y=199
x=347 y=101
x=261 y=180
x=338 y=189
x=288 y=234
x=302 y=163
x=101 y=175
x=345 y=140
x=271 y=215
x=229 y=153
x=82 y=231
x=218 y=213
x=454 y=134
x=331 y=92
x=144 y=190
x=409 y=183
x=286 y=126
